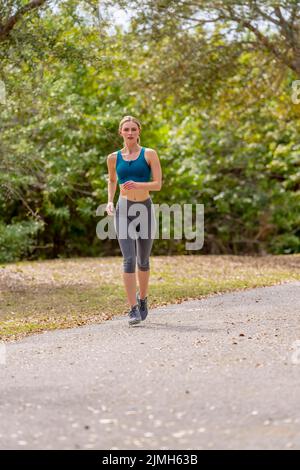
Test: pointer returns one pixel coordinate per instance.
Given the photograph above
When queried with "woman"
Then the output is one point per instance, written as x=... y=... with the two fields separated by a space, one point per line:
x=132 y=167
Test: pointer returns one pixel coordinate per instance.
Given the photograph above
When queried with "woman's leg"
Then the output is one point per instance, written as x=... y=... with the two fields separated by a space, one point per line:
x=143 y=279
x=128 y=249
x=130 y=287
x=144 y=246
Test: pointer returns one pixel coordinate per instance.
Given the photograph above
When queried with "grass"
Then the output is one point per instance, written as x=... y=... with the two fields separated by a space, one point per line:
x=64 y=293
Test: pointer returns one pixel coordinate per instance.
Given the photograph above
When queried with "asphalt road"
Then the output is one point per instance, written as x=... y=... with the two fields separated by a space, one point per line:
x=217 y=373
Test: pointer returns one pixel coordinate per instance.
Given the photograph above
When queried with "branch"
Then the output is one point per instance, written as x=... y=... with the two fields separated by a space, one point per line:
x=265 y=15
x=287 y=31
x=294 y=15
x=262 y=39
x=12 y=20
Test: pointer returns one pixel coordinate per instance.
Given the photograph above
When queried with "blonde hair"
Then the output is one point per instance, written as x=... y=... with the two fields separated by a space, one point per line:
x=133 y=119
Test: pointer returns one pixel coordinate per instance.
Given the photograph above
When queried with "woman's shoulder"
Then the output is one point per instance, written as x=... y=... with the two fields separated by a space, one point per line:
x=112 y=156
x=151 y=153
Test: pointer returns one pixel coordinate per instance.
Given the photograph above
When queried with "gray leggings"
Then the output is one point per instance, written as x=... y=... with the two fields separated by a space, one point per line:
x=135 y=226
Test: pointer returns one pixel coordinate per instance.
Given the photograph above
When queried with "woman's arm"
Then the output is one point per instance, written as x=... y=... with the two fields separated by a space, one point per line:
x=112 y=177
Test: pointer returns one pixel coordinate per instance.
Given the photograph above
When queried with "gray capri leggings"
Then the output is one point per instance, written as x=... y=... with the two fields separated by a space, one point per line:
x=135 y=226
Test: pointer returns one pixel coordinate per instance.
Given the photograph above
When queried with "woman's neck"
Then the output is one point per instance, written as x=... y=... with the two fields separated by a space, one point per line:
x=131 y=149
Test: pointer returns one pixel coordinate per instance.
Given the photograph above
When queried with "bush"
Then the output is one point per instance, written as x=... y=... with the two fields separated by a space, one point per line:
x=17 y=240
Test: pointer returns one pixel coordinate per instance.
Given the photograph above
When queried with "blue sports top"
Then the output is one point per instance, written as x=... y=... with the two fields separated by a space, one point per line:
x=135 y=170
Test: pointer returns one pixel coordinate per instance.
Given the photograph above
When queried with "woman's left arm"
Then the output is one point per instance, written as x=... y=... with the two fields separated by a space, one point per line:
x=156 y=183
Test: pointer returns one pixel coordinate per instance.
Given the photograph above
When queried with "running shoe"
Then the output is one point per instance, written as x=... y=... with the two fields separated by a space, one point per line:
x=142 y=303
x=134 y=315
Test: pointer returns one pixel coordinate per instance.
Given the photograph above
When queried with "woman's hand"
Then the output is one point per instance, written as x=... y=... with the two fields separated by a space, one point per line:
x=130 y=185
x=110 y=208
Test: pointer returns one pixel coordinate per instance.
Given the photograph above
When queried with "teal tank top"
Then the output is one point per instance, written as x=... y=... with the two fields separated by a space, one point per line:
x=135 y=170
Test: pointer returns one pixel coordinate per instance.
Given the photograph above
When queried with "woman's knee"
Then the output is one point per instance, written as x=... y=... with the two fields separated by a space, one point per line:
x=129 y=263
x=143 y=264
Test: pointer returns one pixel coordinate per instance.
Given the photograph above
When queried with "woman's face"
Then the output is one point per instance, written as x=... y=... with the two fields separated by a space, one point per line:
x=130 y=132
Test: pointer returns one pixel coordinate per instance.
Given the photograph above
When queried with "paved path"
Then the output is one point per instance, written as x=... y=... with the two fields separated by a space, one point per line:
x=221 y=372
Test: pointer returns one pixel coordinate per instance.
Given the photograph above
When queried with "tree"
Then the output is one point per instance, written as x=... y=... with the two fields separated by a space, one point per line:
x=14 y=11
x=271 y=26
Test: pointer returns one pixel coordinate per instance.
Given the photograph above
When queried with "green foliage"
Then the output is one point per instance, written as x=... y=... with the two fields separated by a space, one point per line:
x=17 y=240
x=224 y=137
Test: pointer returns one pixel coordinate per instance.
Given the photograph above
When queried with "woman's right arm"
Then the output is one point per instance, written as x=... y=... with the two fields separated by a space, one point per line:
x=112 y=182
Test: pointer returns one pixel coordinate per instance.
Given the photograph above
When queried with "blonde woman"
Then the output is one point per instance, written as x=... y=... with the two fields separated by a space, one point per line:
x=132 y=167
